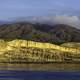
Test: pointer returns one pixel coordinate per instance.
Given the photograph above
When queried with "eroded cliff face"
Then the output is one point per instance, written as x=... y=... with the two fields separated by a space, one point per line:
x=17 y=43
x=30 y=51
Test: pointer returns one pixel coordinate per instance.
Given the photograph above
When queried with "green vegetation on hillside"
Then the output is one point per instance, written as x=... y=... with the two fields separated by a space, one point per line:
x=56 y=34
x=27 y=42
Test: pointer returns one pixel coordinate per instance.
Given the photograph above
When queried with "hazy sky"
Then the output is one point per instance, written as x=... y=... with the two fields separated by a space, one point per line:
x=24 y=8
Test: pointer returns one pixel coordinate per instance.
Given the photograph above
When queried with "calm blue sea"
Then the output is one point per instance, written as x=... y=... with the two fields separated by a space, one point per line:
x=38 y=75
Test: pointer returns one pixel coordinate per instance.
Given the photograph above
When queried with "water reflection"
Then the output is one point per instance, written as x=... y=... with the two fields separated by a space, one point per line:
x=38 y=75
x=40 y=66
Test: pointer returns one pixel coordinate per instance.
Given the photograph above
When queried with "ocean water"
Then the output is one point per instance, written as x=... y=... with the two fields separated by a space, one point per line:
x=54 y=71
x=38 y=75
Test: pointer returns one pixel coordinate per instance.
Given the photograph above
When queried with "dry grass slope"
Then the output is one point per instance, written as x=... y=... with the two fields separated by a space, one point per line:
x=23 y=50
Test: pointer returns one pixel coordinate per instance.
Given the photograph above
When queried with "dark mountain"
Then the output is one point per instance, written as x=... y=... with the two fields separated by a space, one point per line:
x=40 y=32
x=66 y=33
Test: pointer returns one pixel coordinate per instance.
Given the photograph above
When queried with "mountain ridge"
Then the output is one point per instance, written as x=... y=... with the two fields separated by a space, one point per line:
x=57 y=34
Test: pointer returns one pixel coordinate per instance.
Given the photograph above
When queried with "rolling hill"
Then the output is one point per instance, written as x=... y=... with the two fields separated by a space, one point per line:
x=29 y=51
x=71 y=45
x=27 y=42
x=56 y=34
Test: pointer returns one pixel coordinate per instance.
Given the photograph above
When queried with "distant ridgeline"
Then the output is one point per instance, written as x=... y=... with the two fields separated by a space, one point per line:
x=18 y=50
x=55 y=34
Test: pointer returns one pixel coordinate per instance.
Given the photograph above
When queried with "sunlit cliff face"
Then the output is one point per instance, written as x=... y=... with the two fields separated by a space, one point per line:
x=23 y=50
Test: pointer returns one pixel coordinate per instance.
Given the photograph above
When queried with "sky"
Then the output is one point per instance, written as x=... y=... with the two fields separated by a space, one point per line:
x=23 y=8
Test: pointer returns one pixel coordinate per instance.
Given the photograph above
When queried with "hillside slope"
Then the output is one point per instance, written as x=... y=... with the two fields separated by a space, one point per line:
x=71 y=45
x=29 y=51
x=40 y=32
